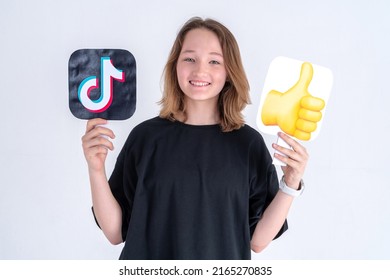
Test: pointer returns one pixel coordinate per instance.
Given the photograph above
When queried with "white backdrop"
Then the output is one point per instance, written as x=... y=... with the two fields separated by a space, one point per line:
x=44 y=188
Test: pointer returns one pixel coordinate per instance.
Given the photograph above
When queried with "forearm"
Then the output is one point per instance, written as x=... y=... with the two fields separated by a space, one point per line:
x=107 y=210
x=271 y=222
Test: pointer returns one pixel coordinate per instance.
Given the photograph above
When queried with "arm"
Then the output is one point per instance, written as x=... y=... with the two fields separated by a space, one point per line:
x=276 y=213
x=107 y=210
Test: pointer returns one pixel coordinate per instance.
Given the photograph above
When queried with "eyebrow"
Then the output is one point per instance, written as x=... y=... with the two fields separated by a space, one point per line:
x=212 y=53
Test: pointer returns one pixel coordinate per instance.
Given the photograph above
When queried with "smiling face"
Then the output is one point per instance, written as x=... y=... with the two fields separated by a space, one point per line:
x=200 y=68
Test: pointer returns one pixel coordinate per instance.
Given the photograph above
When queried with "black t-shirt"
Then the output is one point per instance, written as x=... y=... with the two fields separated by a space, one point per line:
x=191 y=192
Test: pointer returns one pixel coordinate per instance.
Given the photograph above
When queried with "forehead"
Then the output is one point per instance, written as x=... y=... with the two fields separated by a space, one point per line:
x=201 y=38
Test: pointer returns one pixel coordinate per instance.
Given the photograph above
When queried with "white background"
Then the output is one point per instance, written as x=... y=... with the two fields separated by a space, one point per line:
x=44 y=188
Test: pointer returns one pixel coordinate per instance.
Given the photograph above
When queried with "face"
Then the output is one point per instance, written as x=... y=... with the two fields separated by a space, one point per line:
x=200 y=68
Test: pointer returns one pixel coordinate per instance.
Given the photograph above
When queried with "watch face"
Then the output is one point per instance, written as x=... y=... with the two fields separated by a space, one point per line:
x=102 y=84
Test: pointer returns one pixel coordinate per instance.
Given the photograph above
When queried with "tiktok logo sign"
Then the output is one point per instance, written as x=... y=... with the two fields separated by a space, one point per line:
x=102 y=83
x=108 y=73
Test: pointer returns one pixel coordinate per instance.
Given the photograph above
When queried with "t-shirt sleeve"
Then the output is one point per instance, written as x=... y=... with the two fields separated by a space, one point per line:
x=264 y=184
x=122 y=189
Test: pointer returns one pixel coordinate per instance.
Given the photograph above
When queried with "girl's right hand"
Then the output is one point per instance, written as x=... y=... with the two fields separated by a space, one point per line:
x=96 y=144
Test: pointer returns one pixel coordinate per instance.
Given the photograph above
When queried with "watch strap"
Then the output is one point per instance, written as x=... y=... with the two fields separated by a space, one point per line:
x=291 y=191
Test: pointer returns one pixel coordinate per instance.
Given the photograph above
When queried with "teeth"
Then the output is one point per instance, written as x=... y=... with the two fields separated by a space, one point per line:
x=199 y=84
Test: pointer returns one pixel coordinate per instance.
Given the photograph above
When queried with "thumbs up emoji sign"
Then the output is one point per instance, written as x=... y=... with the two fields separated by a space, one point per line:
x=295 y=111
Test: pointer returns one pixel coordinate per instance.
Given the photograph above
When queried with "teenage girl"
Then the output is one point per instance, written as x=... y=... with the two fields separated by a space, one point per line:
x=196 y=182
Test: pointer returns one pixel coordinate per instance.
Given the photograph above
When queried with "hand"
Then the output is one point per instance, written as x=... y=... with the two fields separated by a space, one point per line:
x=295 y=160
x=296 y=111
x=96 y=144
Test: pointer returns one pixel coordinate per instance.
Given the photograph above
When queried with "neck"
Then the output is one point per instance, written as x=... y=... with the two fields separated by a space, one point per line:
x=201 y=113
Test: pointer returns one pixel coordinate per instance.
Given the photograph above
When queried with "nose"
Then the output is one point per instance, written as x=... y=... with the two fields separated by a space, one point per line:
x=201 y=68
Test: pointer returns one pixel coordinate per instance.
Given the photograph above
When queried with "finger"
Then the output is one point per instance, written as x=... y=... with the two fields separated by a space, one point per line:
x=302 y=135
x=309 y=115
x=293 y=144
x=305 y=126
x=103 y=131
x=294 y=167
x=312 y=103
x=294 y=164
x=94 y=122
x=98 y=131
x=288 y=153
x=97 y=150
x=305 y=76
x=99 y=141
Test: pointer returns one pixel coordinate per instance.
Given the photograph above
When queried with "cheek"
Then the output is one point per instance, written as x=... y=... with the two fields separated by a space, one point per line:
x=222 y=77
x=179 y=74
x=181 y=77
x=222 y=81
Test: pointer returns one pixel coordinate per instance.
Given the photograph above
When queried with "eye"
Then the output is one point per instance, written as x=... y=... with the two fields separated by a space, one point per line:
x=215 y=62
x=188 y=59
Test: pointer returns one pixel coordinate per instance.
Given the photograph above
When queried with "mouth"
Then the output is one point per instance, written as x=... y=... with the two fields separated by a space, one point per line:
x=199 y=83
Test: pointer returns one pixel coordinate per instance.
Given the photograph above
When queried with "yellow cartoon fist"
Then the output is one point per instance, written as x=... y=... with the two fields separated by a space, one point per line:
x=296 y=111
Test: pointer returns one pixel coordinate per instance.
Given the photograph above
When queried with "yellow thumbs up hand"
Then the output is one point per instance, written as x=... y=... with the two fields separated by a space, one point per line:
x=296 y=111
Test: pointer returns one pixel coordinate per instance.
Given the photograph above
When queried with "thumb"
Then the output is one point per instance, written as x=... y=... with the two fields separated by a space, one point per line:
x=305 y=76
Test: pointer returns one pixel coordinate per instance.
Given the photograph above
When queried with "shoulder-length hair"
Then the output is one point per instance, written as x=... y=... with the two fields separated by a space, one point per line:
x=235 y=94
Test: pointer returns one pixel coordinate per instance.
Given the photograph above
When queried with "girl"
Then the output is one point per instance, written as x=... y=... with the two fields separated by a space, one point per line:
x=194 y=182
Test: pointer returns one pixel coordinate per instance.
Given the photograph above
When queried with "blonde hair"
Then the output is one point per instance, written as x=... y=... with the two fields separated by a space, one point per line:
x=235 y=94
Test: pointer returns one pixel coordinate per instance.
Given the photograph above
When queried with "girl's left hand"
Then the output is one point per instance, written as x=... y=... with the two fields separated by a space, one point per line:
x=295 y=160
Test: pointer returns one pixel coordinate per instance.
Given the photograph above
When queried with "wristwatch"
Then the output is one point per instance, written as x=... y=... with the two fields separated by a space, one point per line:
x=291 y=191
